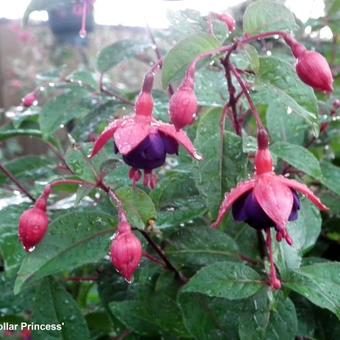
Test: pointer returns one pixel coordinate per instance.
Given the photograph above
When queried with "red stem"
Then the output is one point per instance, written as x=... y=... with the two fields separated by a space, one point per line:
x=16 y=182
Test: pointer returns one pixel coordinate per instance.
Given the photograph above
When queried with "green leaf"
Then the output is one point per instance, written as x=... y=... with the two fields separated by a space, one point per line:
x=304 y=232
x=319 y=283
x=210 y=87
x=229 y=280
x=122 y=50
x=27 y=168
x=267 y=16
x=299 y=157
x=153 y=311
x=138 y=205
x=268 y=320
x=331 y=176
x=183 y=53
x=55 y=306
x=210 y=318
x=278 y=86
x=223 y=165
x=62 y=109
x=201 y=246
x=84 y=77
x=284 y=127
x=73 y=239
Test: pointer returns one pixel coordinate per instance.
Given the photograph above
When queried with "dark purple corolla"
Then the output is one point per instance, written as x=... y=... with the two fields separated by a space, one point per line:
x=247 y=209
x=151 y=152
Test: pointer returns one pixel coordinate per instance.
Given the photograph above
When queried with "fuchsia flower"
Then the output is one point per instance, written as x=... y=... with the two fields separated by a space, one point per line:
x=143 y=141
x=126 y=251
x=268 y=200
x=312 y=68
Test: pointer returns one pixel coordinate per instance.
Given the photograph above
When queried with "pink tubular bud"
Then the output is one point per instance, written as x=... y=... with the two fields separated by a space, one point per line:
x=33 y=225
x=144 y=104
x=297 y=48
x=313 y=69
x=263 y=158
x=29 y=100
x=228 y=20
x=126 y=251
x=183 y=106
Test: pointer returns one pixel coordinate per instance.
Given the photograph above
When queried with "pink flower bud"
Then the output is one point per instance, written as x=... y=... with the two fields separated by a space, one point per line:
x=126 y=251
x=144 y=104
x=183 y=106
x=29 y=100
x=313 y=69
x=33 y=225
x=228 y=20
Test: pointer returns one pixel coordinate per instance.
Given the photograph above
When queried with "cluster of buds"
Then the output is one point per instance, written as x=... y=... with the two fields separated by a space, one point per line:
x=267 y=201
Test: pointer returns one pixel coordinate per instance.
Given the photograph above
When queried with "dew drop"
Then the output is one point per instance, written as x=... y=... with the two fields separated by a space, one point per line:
x=82 y=34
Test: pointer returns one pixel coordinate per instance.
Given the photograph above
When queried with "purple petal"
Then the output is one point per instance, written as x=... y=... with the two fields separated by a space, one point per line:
x=170 y=144
x=247 y=209
x=296 y=207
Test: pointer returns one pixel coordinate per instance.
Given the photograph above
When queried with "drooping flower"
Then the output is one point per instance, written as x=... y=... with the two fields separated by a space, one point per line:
x=312 y=68
x=267 y=200
x=126 y=251
x=143 y=141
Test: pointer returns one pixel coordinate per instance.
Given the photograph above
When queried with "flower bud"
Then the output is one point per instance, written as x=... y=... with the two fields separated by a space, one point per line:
x=183 y=106
x=33 y=225
x=144 y=104
x=228 y=20
x=313 y=69
x=126 y=251
x=29 y=100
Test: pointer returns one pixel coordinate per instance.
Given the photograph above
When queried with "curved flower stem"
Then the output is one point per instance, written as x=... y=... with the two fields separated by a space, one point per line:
x=8 y=174
x=161 y=254
x=71 y=181
x=232 y=92
x=259 y=123
x=154 y=259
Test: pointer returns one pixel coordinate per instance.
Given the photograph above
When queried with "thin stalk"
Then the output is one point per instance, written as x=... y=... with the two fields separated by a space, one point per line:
x=8 y=174
x=162 y=255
